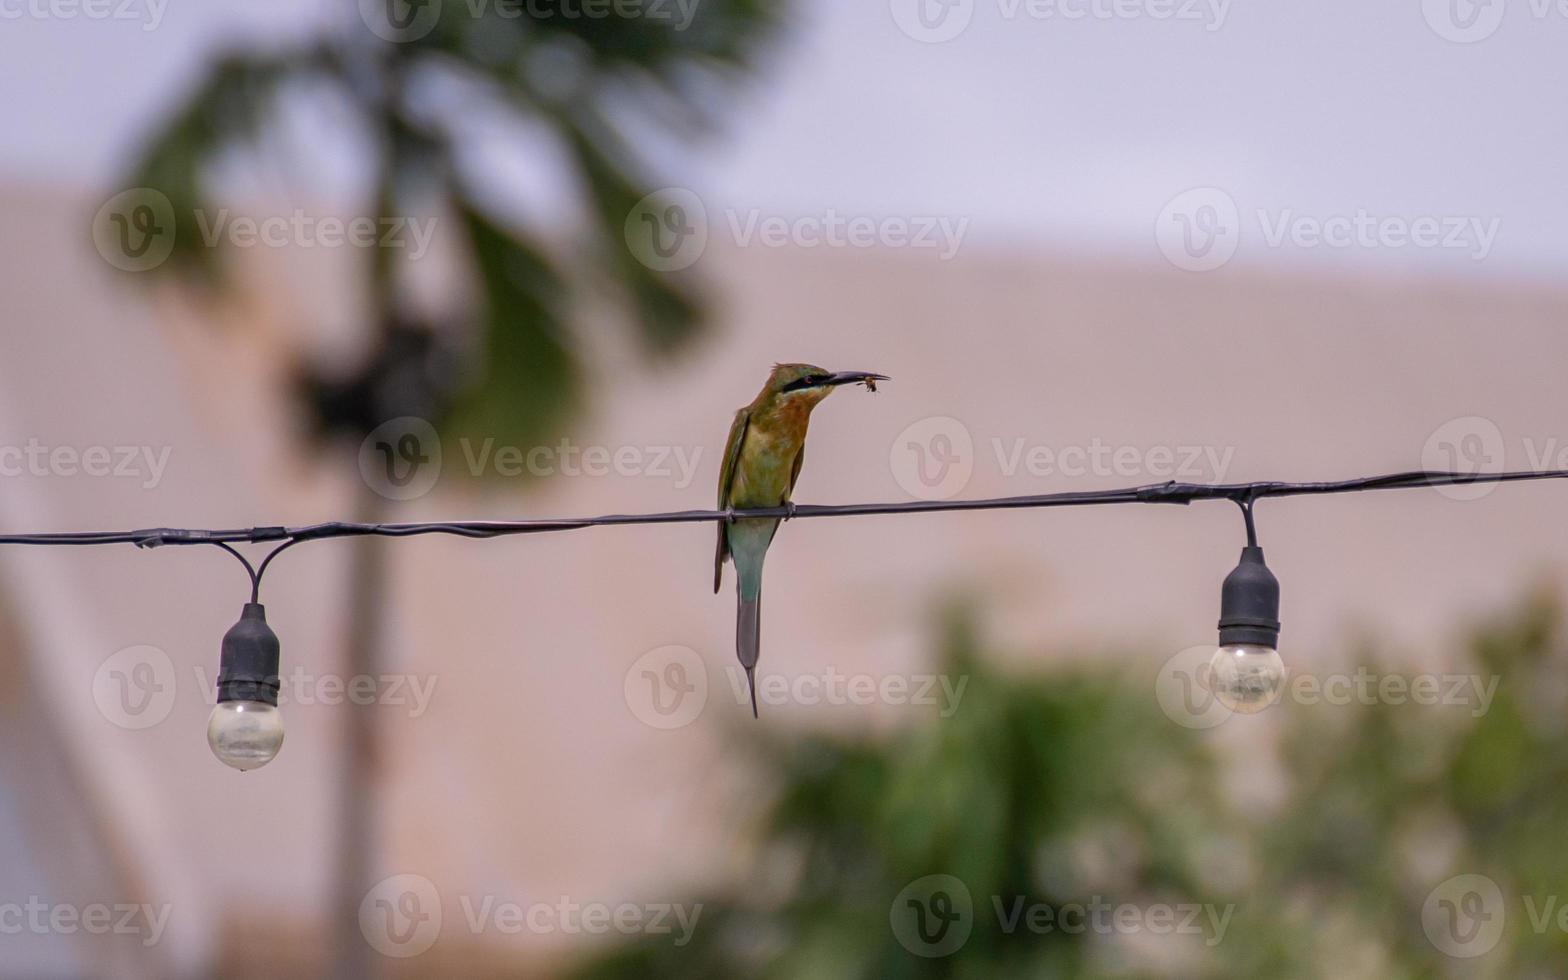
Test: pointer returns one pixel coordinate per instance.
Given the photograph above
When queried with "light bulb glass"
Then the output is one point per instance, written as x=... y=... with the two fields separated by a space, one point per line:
x=245 y=734
x=1246 y=677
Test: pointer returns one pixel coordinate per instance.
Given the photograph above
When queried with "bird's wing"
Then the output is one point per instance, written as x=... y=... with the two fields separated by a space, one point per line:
x=794 y=469
x=726 y=479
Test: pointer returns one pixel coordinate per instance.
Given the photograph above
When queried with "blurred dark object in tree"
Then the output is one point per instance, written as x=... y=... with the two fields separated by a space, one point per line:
x=602 y=88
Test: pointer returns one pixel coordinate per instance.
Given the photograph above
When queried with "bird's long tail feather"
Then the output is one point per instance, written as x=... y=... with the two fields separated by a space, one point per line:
x=748 y=640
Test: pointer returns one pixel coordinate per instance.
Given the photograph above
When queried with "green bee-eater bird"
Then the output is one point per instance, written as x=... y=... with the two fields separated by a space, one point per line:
x=762 y=459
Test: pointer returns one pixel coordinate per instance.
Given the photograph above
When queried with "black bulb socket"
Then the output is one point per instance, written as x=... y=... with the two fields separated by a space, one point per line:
x=1249 y=603
x=248 y=668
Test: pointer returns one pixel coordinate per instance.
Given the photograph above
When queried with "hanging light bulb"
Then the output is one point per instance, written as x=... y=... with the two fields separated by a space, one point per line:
x=1246 y=673
x=245 y=730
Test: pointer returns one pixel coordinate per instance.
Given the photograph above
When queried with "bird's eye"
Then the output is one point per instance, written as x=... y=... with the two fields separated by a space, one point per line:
x=806 y=381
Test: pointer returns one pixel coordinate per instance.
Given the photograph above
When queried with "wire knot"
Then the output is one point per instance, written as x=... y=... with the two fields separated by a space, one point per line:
x=1169 y=492
x=158 y=536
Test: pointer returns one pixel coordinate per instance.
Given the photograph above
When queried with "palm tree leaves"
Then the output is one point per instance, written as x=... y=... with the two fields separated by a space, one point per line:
x=529 y=378
x=655 y=62
x=666 y=306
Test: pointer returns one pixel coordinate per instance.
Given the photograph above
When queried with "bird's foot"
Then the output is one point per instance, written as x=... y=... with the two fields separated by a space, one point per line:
x=789 y=510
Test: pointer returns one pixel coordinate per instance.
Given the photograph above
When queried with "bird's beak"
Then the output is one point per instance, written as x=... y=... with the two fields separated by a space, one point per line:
x=853 y=377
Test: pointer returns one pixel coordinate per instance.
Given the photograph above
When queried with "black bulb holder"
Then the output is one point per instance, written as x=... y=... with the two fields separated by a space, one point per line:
x=248 y=668
x=1249 y=603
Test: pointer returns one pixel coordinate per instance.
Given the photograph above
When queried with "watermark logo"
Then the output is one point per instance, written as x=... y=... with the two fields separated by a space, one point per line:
x=400 y=916
x=1473 y=446
x=1470 y=446
x=134 y=230
x=667 y=231
x=667 y=687
x=400 y=21
x=1183 y=690
x=1199 y=229
x=933 y=458
x=135 y=687
x=1464 y=21
x=933 y=21
x=401 y=458
x=933 y=916
x=1464 y=916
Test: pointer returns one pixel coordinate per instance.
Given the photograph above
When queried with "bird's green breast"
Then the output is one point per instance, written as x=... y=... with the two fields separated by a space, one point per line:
x=767 y=458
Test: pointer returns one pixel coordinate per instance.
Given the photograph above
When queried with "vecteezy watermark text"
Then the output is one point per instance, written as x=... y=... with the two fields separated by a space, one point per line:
x=42 y=918
x=934 y=458
x=136 y=687
x=1200 y=230
x=1184 y=689
x=831 y=229
x=148 y=12
x=1103 y=918
x=936 y=21
x=566 y=916
x=1100 y=458
x=667 y=688
x=136 y=230
x=402 y=459
x=566 y=458
x=142 y=463
x=409 y=20
x=302 y=687
x=833 y=688
x=402 y=917
x=934 y=916
x=669 y=230
x=301 y=229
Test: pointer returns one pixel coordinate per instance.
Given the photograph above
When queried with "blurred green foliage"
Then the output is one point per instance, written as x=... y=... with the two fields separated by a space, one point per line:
x=1070 y=789
x=423 y=89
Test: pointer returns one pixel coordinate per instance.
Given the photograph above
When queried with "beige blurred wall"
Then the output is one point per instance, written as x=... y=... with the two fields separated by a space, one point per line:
x=530 y=777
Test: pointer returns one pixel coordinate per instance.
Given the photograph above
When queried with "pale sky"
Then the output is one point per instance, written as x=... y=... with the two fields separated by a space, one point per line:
x=1068 y=123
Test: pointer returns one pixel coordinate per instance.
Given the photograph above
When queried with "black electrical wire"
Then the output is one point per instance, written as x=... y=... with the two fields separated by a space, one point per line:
x=254 y=571
x=1243 y=494
x=1158 y=493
